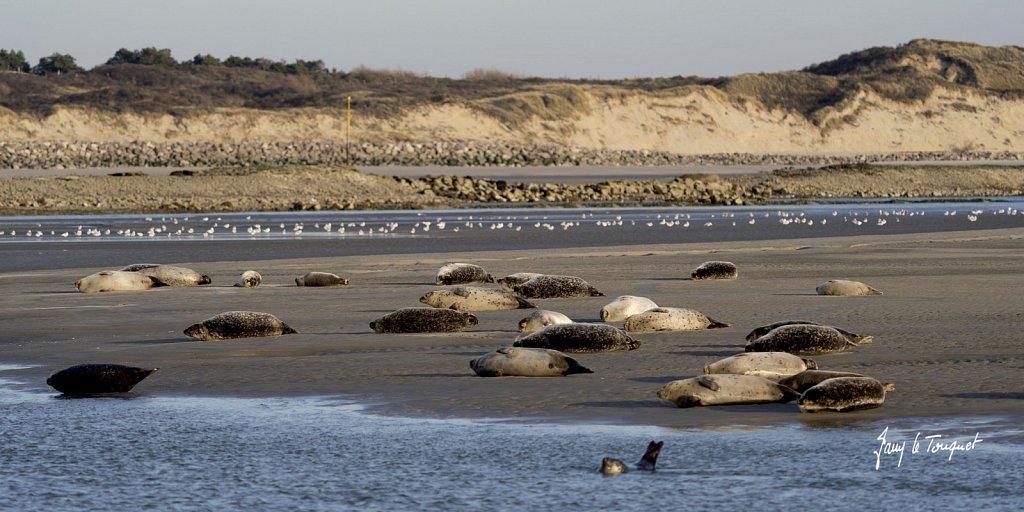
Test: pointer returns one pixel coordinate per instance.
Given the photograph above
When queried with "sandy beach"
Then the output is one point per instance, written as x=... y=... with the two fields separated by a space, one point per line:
x=946 y=329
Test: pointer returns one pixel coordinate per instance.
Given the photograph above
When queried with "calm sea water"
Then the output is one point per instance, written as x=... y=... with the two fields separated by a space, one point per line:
x=47 y=242
x=323 y=453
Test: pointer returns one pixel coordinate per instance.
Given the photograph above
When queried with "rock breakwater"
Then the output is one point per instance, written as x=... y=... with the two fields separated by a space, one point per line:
x=72 y=155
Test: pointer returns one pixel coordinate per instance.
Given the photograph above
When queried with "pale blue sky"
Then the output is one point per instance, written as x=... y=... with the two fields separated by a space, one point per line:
x=548 y=38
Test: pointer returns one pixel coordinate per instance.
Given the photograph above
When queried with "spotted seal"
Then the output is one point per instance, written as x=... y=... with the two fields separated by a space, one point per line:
x=806 y=379
x=518 y=278
x=846 y=288
x=321 y=279
x=171 y=275
x=625 y=306
x=553 y=286
x=116 y=281
x=714 y=270
x=757 y=332
x=92 y=379
x=725 y=390
x=770 y=365
x=474 y=298
x=671 y=319
x=413 y=320
x=579 y=337
x=610 y=466
x=844 y=394
x=238 y=324
x=542 y=318
x=462 y=273
x=802 y=340
x=526 y=362
x=249 y=279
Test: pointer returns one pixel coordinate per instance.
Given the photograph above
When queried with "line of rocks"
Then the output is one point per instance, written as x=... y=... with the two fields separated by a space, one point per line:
x=70 y=155
x=703 y=189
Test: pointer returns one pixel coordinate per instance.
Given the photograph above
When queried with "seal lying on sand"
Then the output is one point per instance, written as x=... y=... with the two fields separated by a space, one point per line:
x=670 y=319
x=91 y=379
x=411 y=320
x=526 y=362
x=802 y=340
x=116 y=281
x=171 y=275
x=625 y=306
x=843 y=394
x=714 y=270
x=320 y=279
x=808 y=378
x=249 y=279
x=512 y=280
x=844 y=287
x=765 y=329
x=542 y=318
x=770 y=365
x=551 y=287
x=610 y=466
x=579 y=337
x=462 y=273
x=238 y=324
x=474 y=298
x=725 y=390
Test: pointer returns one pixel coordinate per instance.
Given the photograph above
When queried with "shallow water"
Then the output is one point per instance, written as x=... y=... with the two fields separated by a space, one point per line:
x=47 y=242
x=324 y=453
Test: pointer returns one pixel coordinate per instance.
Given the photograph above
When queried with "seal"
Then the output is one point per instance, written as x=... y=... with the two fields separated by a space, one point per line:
x=116 y=281
x=725 y=390
x=171 y=275
x=802 y=340
x=610 y=466
x=526 y=362
x=542 y=318
x=714 y=270
x=806 y=379
x=552 y=286
x=474 y=298
x=844 y=287
x=412 y=320
x=462 y=273
x=94 y=379
x=844 y=394
x=765 y=329
x=320 y=279
x=770 y=365
x=511 y=280
x=578 y=338
x=670 y=319
x=249 y=279
x=238 y=324
x=625 y=306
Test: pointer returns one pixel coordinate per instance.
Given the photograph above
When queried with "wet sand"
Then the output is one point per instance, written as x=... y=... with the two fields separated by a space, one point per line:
x=947 y=329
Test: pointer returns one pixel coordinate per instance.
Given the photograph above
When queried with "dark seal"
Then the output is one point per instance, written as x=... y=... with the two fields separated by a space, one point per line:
x=802 y=340
x=552 y=286
x=412 y=320
x=714 y=270
x=95 y=379
x=579 y=338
